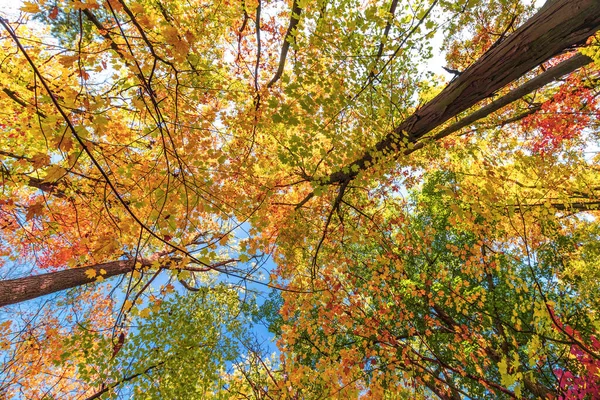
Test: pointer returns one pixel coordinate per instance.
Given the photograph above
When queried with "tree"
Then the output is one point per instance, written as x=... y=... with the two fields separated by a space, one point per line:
x=17 y=290
x=164 y=142
x=438 y=305
x=174 y=348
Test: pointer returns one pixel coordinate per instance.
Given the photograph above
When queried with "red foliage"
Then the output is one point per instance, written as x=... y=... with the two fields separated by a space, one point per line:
x=584 y=381
x=562 y=117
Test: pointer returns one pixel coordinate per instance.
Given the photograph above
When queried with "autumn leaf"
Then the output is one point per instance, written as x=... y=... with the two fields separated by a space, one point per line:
x=127 y=305
x=224 y=165
x=88 y=4
x=145 y=313
x=34 y=210
x=90 y=273
x=119 y=345
x=54 y=173
x=40 y=160
x=30 y=7
x=53 y=13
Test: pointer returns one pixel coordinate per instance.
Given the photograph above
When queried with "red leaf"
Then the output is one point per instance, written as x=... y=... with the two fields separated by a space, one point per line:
x=53 y=13
x=118 y=345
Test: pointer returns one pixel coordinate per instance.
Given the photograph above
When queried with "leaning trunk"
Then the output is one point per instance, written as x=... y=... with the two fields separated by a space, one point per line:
x=17 y=290
x=558 y=26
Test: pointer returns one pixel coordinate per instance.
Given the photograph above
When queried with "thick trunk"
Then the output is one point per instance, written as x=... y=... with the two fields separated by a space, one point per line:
x=566 y=67
x=17 y=290
x=558 y=26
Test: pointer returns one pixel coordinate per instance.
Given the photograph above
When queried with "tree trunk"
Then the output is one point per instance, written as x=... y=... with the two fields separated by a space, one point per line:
x=17 y=290
x=558 y=26
x=565 y=67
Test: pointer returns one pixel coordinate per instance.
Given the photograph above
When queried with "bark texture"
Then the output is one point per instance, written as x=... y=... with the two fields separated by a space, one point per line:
x=558 y=26
x=17 y=290
x=566 y=67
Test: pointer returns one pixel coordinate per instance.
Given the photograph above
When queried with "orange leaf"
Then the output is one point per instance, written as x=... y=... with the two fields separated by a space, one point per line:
x=54 y=13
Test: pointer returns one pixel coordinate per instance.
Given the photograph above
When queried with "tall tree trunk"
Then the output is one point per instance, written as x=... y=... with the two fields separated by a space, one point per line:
x=558 y=26
x=565 y=67
x=17 y=290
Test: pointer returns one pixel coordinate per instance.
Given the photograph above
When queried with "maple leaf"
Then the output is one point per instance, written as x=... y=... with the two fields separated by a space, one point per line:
x=30 y=7
x=40 y=160
x=34 y=210
x=53 y=13
x=119 y=345
x=145 y=313
x=90 y=273
x=54 y=173
x=404 y=225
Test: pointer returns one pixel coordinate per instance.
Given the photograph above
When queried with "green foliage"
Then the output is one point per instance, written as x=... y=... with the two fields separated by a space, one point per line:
x=181 y=350
x=196 y=171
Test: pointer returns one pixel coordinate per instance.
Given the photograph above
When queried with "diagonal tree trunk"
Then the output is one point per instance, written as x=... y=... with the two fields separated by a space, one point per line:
x=565 y=67
x=558 y=26
x=17 y=290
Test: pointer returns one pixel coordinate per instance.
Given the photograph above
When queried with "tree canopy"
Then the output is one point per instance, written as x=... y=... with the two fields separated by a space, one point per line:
x=300 y=199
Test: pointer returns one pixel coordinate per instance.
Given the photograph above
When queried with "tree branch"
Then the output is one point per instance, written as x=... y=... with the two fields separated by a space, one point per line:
x=557 y=27
x=289 y=36
x=14 y=291
x=568 y=66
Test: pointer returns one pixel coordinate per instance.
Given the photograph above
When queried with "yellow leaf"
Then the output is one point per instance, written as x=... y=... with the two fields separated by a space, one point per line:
x=127 y=305
x=183 y=275
x=205 y=260
x=518 y=390
x=40 y=160
x=102 y=271
x=171 y=35
x=90 y=273
x=68 y=61
x=184 y=262
x=54 y=173
x=106 y=244
x=137 y=8
x=79 y=5
x=145 y=313
x=30 y=7
x=505 y=377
